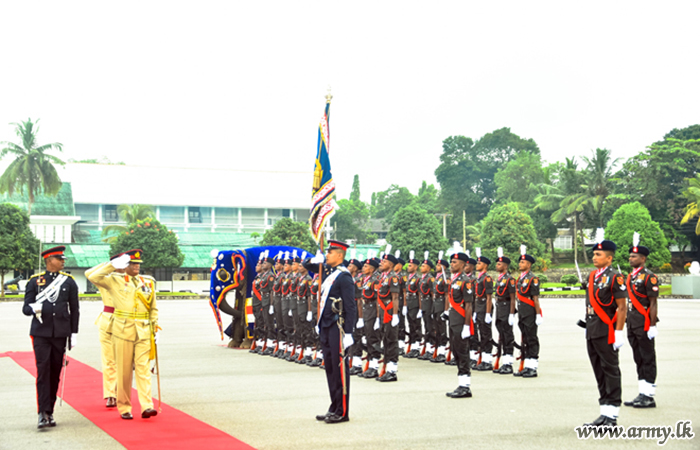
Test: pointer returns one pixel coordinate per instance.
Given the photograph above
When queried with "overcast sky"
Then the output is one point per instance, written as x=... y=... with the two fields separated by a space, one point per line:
x=242 y=84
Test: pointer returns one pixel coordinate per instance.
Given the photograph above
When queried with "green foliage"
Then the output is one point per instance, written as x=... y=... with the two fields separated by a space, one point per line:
x=569 y=279
x=351 y=222
x=517 y=181
x=635 y=217
x=509 y=227
x=32 y=169
x=128 y=214
x=160 y=245
x=428 y=198
x=665 y=268
x=355 y=193
x=255 y=236
x=288 y=232
x=413 y=228
x=693 y=208
x=387 y=203
x=543 y=278
x=19 y=249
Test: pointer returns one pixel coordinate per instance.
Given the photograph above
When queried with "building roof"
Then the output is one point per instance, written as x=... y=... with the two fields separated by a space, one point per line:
x=178 y=186
x=44 y=205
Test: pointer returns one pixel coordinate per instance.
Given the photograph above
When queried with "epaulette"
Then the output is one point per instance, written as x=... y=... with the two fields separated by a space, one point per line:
x=66 y=274
x=37 y=274
x=148 y=277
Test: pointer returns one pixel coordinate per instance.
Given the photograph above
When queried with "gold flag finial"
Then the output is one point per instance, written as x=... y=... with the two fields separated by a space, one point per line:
x=329 y=97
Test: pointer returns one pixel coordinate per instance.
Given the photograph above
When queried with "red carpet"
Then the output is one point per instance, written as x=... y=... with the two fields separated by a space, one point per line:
x=171 y=429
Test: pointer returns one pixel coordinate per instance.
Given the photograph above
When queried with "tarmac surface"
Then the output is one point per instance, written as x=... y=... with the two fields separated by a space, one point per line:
x=271 y=404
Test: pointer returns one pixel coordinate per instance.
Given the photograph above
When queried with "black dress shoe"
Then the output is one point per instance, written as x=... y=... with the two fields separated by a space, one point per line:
x=484 y=367
x=388 y=376
x=460 y=392
x=438 y=359
x=127 y=416
x=519 y=374
x=644 y=402
x=111 y=402
x=472 y=364
x=452 y=362
x=636 y=399
x=49 y=417
x=505 y=369
x=355 y=370
x=335 y=418
x=43 y=421
x=426 y=356
x=316 y=362
x=529 y=373
x=412 y=354
x=322 y=417
x=267 y=352
x=602 y=421
x=370 y=373
x=150 y=412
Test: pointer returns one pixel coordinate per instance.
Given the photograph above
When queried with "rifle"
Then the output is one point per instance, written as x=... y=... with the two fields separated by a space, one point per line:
x=499 y=348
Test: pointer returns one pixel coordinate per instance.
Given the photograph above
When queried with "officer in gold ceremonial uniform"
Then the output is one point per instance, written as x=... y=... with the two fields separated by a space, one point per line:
x=104 y=322
x=134 y=328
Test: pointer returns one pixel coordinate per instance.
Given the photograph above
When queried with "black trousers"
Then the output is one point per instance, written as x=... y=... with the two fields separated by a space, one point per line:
x=531 y=343
x=356 y=348
x=460 y=350
x=259 y=321
x=288 y=321
x=415 y=326
x=643 y=350
x=606 y=367
x=391 y=343
x=303 y=327
x=439 y=326
x=278 y=329
x=427 y=308
x=402 y=322
x=505 y=331
x=336 y=370
x=48 y=353
x=483 y=334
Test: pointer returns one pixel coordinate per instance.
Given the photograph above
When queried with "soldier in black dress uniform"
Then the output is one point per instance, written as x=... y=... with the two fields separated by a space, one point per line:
x=643 y=288
x=425 y=299
x=483 y=290
x=440 y=290
x=529 y=314
x=388 y=289
x=606 y=311
x=266 y=282
x=51 y=298
x=313 y=300
x=413 y=312
x=505 y=313
x=259 y=331
x=403 y=276
x=368 y=315
x=304 y=315
x=355 y=351
x=459 y=313
x=287 y=314
x=470 y=274
x=276 y=307
x=336 y=323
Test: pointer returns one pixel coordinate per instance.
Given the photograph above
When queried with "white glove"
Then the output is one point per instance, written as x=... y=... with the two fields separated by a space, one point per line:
x=488 y=318
x=538 y=319
x=271 y=310
x=73 y=340
x=36 y=307
x=394 y=320
x=376 y=324
x=653 y=332
x=156 y=337
x=364 y=340
x=445 y=316
x=619 y=339
x=420 y=314
x=121 y=262
x=318 y=259
x=466 y=332
x=348 y=341
x=474 y=317
x=511 y=319
x=309 y=316
x=585 y=333
x=316 y=329
x=360 y=323
x=290 y=313
x=404 y=310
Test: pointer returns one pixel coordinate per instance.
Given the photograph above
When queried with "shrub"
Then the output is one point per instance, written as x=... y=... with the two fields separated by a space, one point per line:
x=569 y=279
x=543 y=278
x=666 y=268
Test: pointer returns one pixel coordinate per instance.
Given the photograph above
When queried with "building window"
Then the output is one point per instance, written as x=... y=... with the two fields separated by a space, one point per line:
x=111 y=213
x=164 y=274
x=286 y=213
x=194 y=214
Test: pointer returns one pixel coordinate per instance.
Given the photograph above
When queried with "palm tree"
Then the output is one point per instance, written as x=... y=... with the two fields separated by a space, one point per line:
x=128 y=214
x=32 y=168
x=599 y=173
x=693 y=208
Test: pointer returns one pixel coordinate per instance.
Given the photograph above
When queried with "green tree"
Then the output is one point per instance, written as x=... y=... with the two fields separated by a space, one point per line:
x=428 y=198
x=129 y=214
x=387 y=203
x=517 y=181
x=509 y=227
x=598 y=175
x=413 y=228
x=19 y=249
x=693 y=208
x=351 y=222
x=355 y=193
x=33 y=168
x=635 y=217
x=288 y=232
x=160 y=245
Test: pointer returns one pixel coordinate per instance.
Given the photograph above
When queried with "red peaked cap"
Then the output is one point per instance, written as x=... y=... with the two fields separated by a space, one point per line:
x=332 y=244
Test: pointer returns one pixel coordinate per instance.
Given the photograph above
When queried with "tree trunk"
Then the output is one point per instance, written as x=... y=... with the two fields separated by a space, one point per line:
x=573 y=241
x=2 y=283
x=583 y=250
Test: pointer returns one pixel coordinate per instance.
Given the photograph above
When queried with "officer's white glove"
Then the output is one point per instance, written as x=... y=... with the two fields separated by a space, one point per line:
x=121 y=262
x=360 y=323
x=466 y=332
x=488 y=318
x=420 y=314
x=619 y=339
x=404 y=310
x=309 y=316
x=394 y=320
x=653 y=332
x=318 y=259
x=445 y=316
x=73 y=340
x=271 y=310
x=538 y=319
x=348 y=341
x=290 y=313
x=376 y=324
x=36 y=307
x=511 y=319
x=474 y=317
x=156 y=337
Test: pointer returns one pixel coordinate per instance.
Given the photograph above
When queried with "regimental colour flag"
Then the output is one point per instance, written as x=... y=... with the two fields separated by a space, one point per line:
x=323 y=204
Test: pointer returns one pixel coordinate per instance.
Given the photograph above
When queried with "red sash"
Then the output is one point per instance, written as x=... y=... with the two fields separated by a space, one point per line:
x=387 y=314
x=526 y=300
x=256 y=291
x=637 y=304
x=460 y=310
x=595 y=302
x=108 y=309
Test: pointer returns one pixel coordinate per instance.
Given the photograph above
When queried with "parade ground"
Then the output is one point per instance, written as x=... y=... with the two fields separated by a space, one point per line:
x=268 y=403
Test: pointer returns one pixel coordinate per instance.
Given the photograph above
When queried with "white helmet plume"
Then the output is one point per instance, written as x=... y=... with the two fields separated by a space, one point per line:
x=500 y=252
x=411 y=255
x=426 y=254
x=523 y=249
x=635 y=239
x=478 y=252
x=387 y=250
x=398 y=253
x=599 y=235
x=441 y=254
x=352 y=253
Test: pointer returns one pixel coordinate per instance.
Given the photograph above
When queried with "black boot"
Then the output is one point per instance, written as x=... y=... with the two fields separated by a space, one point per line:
x=460 y=392
x=602 y=421
x=505 y=369
x=43 y=421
